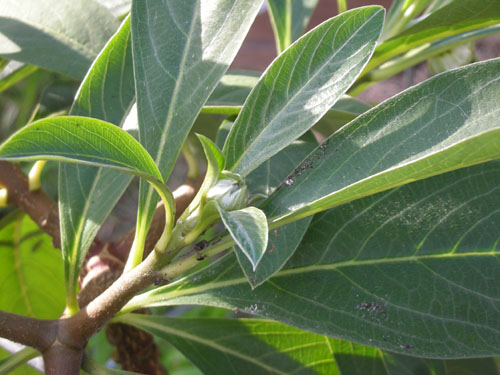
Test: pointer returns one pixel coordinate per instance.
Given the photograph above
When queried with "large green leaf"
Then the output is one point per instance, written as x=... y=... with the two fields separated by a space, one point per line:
x=300 y=86
x=31 y=272
x=455 y=18
x=247 y=346
x=60 y=35
x=289 y=19
x=445 y=123
x=242 y=346
x=413 y=270
x=88 y=194
x=181 y=50
x=81 y=140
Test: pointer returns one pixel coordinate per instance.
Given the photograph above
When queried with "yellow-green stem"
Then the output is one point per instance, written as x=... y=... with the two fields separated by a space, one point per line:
x=137 y=250
x=3 y=197
x=192 y=164
x=34 y=177
x=341 y=5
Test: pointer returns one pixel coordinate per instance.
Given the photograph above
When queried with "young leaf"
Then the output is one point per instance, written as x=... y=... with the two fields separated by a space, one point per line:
x=181 y=50
x=88 y=194
x=430 y=290
x=81 y=140
x=243 y=346
x=248 y=227
x=445 y=123
x=283 y=241
x=289 y=19
x=32 y=281
x=216 y=162
x=455 y=18
x=55 y=34
x=300 y=86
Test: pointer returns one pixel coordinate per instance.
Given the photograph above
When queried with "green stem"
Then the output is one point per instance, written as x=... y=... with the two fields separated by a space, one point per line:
x=16 y=76
x=341 y=5
x=137 y=250
x=192 y=164
x=34 y=180
x=17 y=359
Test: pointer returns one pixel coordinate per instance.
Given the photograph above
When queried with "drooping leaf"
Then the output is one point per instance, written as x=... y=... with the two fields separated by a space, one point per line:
x=445 y=123
x=181 y=50
x=289 y=19
x=413 y=270
x=88 y=194
x=300 y=86
x=283 y=240
x=241 y=346
x=248 y=227
x=457 y=17
x=31 y=272
x=60 y=35
x=81 y=140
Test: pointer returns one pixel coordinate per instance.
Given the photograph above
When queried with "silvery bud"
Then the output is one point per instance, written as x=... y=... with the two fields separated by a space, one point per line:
x=229 y=193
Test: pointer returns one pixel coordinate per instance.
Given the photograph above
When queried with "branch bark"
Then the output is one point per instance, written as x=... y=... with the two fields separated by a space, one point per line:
x=40 y=207
x=37 y=333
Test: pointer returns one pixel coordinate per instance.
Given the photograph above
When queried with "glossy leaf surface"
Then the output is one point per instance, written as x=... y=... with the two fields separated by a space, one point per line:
x=300 y=86
x=412 y=270
x=83 y=140
x=445 y=123
x=88 y=194
x=60 y=35
x=248 y=227
x=31 y=272
x=181 y=50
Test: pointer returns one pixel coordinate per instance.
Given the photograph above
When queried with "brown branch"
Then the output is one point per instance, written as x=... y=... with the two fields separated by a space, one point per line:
x=41 y=208
x=37 y=333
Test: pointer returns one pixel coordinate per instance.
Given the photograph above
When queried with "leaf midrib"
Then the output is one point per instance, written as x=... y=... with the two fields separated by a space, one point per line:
x=238 y=160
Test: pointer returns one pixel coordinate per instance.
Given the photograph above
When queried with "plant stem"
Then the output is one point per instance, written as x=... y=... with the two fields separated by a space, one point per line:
x=36 y=333
x=341 y=6
x=192 y=164
x=42 y=209
x=34 y=181
x=17 y=359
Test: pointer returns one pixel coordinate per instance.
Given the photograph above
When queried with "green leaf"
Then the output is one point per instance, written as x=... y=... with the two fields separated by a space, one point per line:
x=181 y=50
x=88 y=194
x=445 y=123
x=31 y=272
x=457 y=17
x=412 y=270
x=401 y=13
x=300 y=86
x=425 y=52
x=80 y=140
x=289 y=19
x=241 y=346
x=248 y=227
x=60 y=35
x=282 y=241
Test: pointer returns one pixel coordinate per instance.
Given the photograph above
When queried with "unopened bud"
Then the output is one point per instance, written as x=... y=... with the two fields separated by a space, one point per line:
x=229 y=193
